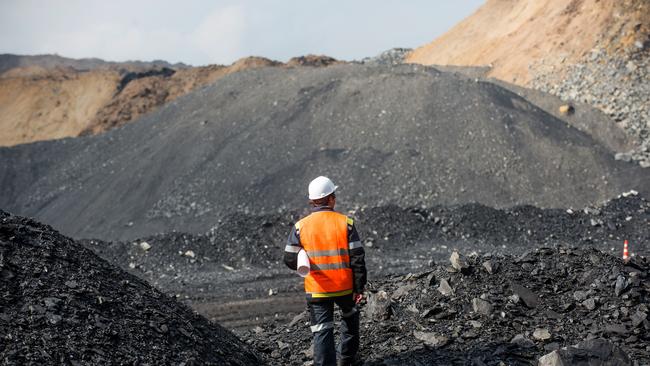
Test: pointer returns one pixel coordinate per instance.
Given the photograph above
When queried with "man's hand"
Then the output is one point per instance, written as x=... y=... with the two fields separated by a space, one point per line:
x=357 y=297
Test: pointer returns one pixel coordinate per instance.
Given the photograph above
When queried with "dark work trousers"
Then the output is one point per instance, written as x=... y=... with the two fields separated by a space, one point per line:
x=321 y=313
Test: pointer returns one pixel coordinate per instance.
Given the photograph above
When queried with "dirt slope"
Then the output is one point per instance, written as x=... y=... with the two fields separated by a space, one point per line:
x=38 y=104
x=45 y=101
x=511 y=35
x=252 y=141
x=145 y=93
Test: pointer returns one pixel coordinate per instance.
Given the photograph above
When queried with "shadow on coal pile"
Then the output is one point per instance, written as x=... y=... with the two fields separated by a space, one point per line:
x=61 y=304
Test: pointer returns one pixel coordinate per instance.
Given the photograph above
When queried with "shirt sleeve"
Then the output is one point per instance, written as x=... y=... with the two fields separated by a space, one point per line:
x=357 y=257
x=292 y=248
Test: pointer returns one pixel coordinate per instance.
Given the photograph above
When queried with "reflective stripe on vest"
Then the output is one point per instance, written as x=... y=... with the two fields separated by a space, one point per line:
x=326 y=253
x=328 y=266
x=317 y=295
x=324 y=236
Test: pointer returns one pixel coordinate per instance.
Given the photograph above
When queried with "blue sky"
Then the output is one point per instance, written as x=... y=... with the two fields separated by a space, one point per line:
x=222 y=31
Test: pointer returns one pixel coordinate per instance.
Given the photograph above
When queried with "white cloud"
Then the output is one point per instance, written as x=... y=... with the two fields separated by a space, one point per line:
x=219 y=35
x=199 y=37
x=110 y=41
x=220 y=31
x=106 y=40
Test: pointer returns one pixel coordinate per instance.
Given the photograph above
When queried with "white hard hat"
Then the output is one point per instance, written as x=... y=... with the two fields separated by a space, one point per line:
x=321 y=187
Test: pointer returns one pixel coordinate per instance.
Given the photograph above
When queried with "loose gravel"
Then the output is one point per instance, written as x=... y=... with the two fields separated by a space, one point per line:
x=618 y=85
x=492 y=310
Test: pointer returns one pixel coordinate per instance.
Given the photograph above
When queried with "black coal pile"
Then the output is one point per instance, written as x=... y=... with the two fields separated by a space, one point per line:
x=406 y=135
x=398 y=240
x=61 y=304
x=200 y=265
x=481 y=228
x=234 y=274
x=495 y=310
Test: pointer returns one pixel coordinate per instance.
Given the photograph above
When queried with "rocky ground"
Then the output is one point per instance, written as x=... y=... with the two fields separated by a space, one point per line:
x=492 y=310
x=234 y=273
x=528 y=281
x=61 y=304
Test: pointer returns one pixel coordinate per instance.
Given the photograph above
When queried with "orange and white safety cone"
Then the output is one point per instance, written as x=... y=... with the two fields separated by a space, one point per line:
x=626 y=254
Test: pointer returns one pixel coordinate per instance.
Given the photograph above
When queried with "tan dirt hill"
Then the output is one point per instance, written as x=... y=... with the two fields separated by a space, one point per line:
x=38 y=104
x=41 y=102
x=512 y=36
x=142 y=95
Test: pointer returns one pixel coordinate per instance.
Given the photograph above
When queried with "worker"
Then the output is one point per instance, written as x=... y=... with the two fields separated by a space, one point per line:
x=337 y=273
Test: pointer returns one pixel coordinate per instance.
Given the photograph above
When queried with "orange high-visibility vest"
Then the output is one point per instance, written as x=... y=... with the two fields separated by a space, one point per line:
x=324 y=236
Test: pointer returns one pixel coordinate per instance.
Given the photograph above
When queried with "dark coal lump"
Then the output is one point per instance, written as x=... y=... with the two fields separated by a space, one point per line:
x=587 y=353
x=61 y=304
x=559 y=301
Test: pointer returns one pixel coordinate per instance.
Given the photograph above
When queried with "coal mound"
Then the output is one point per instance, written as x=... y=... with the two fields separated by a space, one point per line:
x=493 y=310
x=61 y=304
x=397 y=240
x=406 y=135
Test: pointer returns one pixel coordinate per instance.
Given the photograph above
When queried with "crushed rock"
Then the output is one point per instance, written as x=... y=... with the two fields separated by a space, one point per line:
x=61 y=304
x=448 y=323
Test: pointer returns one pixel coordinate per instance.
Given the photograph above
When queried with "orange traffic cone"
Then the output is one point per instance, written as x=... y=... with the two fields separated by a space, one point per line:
x=626 y=254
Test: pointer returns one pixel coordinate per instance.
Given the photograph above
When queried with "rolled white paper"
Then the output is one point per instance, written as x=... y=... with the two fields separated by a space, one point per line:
x=303 y=263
